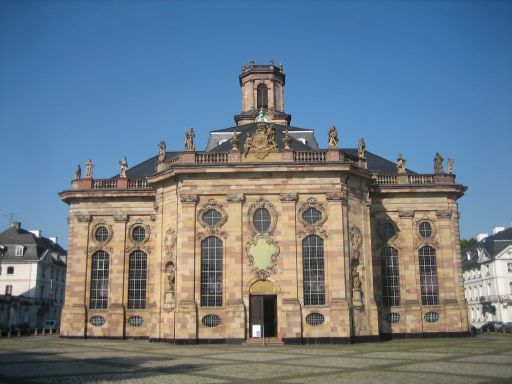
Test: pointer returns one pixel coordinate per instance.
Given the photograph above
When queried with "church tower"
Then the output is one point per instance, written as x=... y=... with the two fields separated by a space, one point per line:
x=262 y=89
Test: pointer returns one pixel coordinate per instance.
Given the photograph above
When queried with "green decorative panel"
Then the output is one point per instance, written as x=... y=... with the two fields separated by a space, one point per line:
x=262 y=254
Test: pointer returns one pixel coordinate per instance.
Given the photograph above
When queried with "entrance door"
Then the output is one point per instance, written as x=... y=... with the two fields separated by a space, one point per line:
x=263 y=312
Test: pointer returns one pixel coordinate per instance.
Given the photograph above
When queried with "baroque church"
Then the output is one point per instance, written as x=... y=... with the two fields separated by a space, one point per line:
x=264 y=236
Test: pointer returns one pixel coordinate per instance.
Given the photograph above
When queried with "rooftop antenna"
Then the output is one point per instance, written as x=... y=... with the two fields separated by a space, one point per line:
x=11 y=216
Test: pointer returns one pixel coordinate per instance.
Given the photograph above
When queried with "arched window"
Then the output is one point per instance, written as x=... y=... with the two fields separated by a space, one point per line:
x=262 y=96
x=211 y=272
x=99 y=280
x=313 y=270
x=389 y=276
x=137 y=280
x=428 y=276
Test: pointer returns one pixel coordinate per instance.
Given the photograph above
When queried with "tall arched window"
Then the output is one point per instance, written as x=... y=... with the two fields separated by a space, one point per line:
x=428 y=276
x=313 y=270
x=262 y=96
x=137 y=280
x=99 y=280
x=389 y=276
x=211 y=272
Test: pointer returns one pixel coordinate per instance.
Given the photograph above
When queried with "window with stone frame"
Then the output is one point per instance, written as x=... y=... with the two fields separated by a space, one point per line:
x=262 y=96
x=313 y=270
x=390 y=276
x=137 y=280
x=428 y=276
x=99 y=280
x=211 y=272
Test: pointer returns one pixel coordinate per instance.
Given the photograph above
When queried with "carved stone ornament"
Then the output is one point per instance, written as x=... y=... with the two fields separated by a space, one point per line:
x=263 y=142
x=214 y=229
x=262 y=203
x=233 y=198
x=100 y=247
x=443 y=214
x=419 y=240
x=289 y=197
x=262 y=253
x=335 y=196
x=355 y=239
x=406 y=214
x=184 y=198
x=95 y=227
x=169 y=268
x=314 y=228
x=120 y=218
x=83 y=218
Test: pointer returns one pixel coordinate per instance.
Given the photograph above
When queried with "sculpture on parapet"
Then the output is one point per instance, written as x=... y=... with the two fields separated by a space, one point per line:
x=234 y=142
x=189 y=140
x=450 y=166
x=248 y=144
x=286 y=140
x=78 y=173
x=161 y=150
x=88 y=169
x=438 y=163
x=123 y=164
x=400 y=164
x=361 y=151
x=333 y=137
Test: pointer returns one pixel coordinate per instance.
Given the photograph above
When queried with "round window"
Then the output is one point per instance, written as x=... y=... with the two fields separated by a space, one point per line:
x=312 y=215
x=211 y=321
x=135 y=321
x=101 y=234
x=97 y=321
x=212 y=217
x=392 y=317
x=315 y=318
x=138 y=234
x=261 y=219
x=425 y=230
x=387 y=230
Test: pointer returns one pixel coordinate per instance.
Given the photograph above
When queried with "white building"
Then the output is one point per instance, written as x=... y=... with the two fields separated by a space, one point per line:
x=32 y=278
x=487 y=273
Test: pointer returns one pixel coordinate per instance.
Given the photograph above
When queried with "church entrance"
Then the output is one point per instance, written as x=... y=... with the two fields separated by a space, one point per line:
x=263 y=316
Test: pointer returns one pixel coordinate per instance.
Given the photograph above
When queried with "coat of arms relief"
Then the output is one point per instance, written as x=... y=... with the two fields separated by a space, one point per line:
x=262 y=142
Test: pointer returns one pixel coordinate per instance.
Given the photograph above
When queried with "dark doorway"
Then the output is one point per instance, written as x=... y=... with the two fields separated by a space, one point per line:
x=263 y=311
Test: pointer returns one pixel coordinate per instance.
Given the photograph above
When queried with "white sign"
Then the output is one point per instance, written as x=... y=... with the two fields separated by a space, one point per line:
x=256 y=330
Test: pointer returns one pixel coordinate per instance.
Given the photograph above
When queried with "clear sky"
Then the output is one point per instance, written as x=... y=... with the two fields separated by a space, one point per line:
x=104 y=79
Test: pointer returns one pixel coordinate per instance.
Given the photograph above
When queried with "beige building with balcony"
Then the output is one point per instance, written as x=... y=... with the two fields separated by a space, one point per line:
x=264 y=236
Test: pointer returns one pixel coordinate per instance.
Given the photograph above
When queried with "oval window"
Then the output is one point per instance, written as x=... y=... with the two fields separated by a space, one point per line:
x=212 y=217
x=211 y=321
x=101 y=234
x=431 y=317
x=97 y=321
x=392 y=317
x=425 y=230
x=138 y=233
x=312 y=215
x=135 y=321
x=315 y=318
x=261 y=219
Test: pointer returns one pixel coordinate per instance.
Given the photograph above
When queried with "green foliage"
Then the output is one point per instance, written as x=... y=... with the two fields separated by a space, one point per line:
x=467 y=243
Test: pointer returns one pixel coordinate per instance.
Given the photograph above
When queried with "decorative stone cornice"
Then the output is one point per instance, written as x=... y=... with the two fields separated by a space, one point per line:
x=406 y=214
x=234 y=198
x=443 y=214
x=288 y=197
x=185 y=198
x=120 y=218
x=335 y=196
x=83 y=218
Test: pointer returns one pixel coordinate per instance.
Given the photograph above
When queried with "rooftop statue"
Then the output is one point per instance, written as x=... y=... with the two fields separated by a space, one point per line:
x=362 y=149
x=438 y=163
x=78 y=173
x=450 y=166
x=261 y=117
x=161 y=150
x=333 y=137
x=400 y=164
x=189 y=140
x=123 y=164
x=88 y=169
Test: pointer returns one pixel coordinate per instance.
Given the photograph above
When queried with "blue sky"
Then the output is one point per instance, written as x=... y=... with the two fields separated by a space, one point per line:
x=104 y=79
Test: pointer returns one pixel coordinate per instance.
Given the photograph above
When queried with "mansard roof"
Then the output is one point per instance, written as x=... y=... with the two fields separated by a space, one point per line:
x=35 y=246
x=492 y=245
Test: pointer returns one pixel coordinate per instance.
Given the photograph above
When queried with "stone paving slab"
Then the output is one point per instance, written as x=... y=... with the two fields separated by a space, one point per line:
x=476 y=369
x=343 y=362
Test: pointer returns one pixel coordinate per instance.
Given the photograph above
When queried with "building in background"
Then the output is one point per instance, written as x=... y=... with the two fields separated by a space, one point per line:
x=32 y=278
x=487 y=272
x=264 y=234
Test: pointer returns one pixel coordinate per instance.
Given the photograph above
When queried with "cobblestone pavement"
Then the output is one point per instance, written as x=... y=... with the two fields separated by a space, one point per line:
x=486 y=358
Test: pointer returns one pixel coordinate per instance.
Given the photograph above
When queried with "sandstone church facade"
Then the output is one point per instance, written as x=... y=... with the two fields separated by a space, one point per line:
x=264 y=236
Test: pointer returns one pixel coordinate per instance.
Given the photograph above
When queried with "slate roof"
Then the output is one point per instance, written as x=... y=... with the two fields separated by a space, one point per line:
x=146 y=168
x=35 y=247
x=493 y=245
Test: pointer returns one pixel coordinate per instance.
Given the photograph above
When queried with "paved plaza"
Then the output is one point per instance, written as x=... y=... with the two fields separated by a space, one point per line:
x=486 y=358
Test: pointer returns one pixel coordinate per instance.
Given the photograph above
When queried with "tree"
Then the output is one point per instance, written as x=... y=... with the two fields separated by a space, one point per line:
x=467 y=243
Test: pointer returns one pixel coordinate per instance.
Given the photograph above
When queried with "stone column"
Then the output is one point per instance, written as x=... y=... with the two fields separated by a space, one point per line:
x=233 y=280
x=74 y=315
x=289 y=309
x=186 y=314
